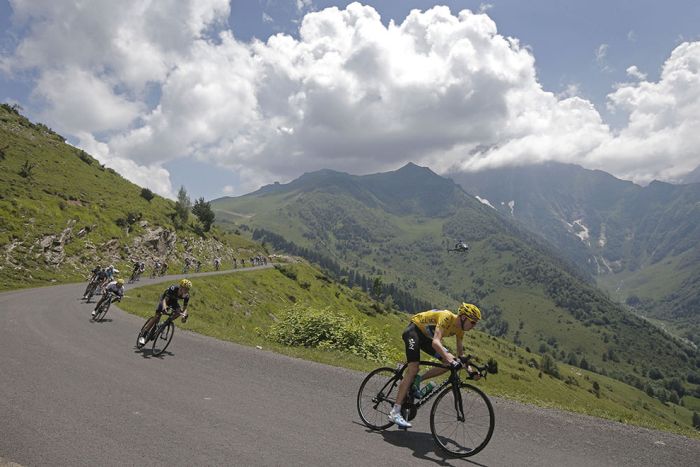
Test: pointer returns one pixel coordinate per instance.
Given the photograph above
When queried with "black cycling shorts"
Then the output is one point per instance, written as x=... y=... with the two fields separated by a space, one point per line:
x=415 y=342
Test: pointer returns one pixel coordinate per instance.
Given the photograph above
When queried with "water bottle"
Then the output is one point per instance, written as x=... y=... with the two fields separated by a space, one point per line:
x=426 y=389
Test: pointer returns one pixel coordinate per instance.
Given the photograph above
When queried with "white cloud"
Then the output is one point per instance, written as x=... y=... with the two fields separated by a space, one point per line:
x=571 y=90
x=601 y=57
x=353 y=94
x=153 y=177
x=303 y=5
x=634 y=72
x=82 y=102
x=661 y=139
x=484 y=7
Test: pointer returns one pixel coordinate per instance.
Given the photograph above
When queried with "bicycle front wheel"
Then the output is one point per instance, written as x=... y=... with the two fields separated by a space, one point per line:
x=376 y=397
x=462 y=434
x=162 y=339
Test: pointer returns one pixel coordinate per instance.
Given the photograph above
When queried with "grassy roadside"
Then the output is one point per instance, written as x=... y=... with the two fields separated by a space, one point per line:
x=242 y=308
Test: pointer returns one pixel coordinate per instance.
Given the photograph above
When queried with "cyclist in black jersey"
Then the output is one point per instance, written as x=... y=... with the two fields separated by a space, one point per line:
x=170 y=299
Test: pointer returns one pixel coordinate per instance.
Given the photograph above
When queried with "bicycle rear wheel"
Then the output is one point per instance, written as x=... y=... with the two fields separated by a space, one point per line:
x=462 y=438
x=91 y=292
x=143 y=333
x=102 y=311
x=87 y=288
x=376 y=397
x=162 y=339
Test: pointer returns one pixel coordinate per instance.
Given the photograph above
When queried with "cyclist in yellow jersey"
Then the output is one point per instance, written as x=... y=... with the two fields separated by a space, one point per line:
x=425 y=332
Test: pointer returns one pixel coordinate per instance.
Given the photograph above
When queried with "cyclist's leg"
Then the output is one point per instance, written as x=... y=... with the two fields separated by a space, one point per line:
x=427 y=347
x=411 y=339
x=154 y=319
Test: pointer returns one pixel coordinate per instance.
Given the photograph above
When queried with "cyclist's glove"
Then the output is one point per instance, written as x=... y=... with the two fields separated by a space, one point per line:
x=455 y=364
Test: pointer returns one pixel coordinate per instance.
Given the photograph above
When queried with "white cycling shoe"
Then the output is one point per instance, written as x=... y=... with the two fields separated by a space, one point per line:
x=142 y=340
x=396 y=418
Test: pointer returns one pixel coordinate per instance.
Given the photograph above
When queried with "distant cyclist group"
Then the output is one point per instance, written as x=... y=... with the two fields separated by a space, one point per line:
x=103 y=282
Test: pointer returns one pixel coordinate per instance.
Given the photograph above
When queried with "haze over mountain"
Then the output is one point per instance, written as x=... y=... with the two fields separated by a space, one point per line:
x=399 y=225
x=692 y=177
x=640 y=242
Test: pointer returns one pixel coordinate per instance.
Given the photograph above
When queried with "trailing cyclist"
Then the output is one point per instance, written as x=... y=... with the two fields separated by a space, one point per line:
x=115 y=288
x=169 y=299
x=99 y=277
x=425 y=332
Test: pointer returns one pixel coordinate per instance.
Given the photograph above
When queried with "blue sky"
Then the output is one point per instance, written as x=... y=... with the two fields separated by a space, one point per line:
x=203 y=96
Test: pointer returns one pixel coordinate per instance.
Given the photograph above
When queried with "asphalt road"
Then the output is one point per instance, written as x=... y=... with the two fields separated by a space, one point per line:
x=75 y=392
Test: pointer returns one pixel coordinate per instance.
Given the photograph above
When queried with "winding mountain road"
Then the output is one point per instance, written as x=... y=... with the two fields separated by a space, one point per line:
x=75 y=392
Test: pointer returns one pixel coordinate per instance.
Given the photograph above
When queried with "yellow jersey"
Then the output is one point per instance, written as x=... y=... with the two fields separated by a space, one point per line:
x=428 y=321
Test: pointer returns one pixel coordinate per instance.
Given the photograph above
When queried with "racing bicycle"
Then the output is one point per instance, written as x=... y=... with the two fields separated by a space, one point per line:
x=104 y=306
x=461 y=418
x=161 y=334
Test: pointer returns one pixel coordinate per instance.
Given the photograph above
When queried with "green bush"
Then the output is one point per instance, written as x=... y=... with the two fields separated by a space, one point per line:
x=549 y=366
x=147 y=194
x=290 y=273
x=327 y=329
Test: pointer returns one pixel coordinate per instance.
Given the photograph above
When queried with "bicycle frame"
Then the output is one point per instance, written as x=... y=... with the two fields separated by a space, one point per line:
x=453 y=380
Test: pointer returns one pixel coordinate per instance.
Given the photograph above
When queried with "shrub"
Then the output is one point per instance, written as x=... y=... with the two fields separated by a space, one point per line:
x=328 y=329
x=147 y=194
x=203 y=211
x=290 y=273
x=85 y=157
x=549 y=366
x=26 y=170
x=492 y=365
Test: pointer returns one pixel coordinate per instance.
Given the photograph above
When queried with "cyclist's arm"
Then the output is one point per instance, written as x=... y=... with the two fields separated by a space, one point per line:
x=439 y=348
x=460 y=346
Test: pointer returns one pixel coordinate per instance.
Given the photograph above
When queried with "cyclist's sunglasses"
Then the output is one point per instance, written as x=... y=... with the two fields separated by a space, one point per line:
x=471 y=321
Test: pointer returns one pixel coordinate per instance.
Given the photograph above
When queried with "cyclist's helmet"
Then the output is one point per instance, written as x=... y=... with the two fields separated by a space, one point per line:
x=472 y=312
x=120 y=281
x=186 y=283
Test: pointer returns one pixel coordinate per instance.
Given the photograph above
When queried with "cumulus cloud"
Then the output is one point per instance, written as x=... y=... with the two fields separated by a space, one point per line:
x=661 y=139
x=634 y=72
x=350 y=93
x=152 y=176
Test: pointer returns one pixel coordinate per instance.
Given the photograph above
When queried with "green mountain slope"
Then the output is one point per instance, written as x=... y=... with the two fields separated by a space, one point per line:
x=640 y=242
x=381 y=225
x=62 y=213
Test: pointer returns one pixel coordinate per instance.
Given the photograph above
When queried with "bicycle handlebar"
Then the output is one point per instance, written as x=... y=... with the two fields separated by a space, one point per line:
x=481 y=371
